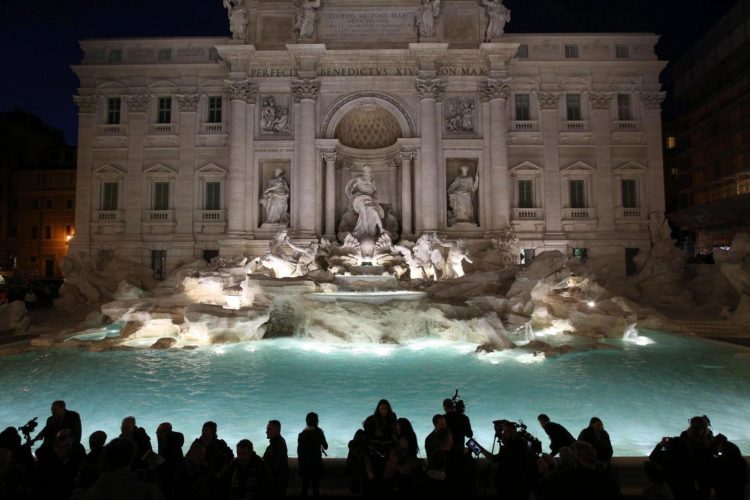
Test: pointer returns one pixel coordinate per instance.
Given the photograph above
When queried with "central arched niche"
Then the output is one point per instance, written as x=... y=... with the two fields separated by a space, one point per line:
x=368 y=126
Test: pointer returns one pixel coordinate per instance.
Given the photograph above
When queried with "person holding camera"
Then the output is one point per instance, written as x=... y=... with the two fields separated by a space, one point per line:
x=458 y=423
x=512 y=477
x=311 y=445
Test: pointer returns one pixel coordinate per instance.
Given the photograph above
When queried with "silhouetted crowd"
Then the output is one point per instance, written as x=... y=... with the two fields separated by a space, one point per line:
x=384 y=462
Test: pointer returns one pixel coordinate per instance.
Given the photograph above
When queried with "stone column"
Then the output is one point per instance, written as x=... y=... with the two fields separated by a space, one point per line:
x=430 y=90
x=241 y=92
x=407 y=161
x=132 y=204
x=306 y=91
x=651 y=105
x=601 y=130
x=185 y=206
x=496 y=91
x=84 y=204
x=330 y=199
x=346 y=175
x=393 y=194
x=549 y=103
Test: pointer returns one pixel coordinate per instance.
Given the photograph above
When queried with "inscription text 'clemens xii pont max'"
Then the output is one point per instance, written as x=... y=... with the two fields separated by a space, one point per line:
x=336 y=23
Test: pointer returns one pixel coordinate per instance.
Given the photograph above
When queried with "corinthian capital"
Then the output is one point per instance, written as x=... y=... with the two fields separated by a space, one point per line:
x=188 y=102
x=242 y=90
x=495 y=88
x=328 y=157
x=407 y=156
x=600 y=100
x=137 y=103
x=305 y=88
x=430 y=88
x=548 y=100
x=652 y=100
x=86 y=103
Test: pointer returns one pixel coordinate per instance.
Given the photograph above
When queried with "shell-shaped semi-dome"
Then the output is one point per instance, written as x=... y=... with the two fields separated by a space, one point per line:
x=368 y=126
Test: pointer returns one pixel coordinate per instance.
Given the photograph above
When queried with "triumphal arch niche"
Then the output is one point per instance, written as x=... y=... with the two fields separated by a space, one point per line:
x=386 y=119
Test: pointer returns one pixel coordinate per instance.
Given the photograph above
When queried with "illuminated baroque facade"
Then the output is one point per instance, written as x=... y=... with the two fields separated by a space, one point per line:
x=193 y=147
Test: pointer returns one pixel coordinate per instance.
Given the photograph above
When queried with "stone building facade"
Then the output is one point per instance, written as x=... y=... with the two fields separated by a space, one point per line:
x=179 y=139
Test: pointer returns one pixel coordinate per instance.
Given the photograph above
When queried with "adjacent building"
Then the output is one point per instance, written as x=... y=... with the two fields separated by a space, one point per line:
x=180 y=139
x=708 y=136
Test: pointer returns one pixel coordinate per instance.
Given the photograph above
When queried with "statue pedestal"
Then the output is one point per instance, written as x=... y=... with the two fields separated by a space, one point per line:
x=274 y=226
x=463 y=226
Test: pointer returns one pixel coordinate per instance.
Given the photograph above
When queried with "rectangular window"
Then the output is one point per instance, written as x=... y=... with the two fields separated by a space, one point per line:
x=213 y=196
x=525 y=194
x=209 y=255
x=630 y=265
x=523 y=51
x=523 y=107
x=35 y=205
x=32 y=259
x=671 y=142
x=113 y=110
x=577 y=194
x=68 y=229
x=580 y=253
x=161 y=196
x=629 y=193
x=623 y=107
x=622 y=51
x=47 y=232
x=109 y=196
x=114 y=56
x=69 y=204
x=48 y=205
x=571 y=52
x=164 y=110
x=573 y=103
x=214 y=109
x=165 y=55
x=34 y=232
x=159 y=264
x=13 y=231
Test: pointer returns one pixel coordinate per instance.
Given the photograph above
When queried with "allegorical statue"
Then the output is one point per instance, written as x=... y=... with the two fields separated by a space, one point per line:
x=306 y=21
x=461 y=197
x=238 y=18
x=498 y=15
x=363 y=196
x=275 y=199
x=457 y=253
x=424 y=19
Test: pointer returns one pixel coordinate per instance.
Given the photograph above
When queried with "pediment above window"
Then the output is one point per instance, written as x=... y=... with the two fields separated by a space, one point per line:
x=108 y=170
x=631 y=167
x=526 y=167
x=160 y=170
x=211 y=168
x=577 y=167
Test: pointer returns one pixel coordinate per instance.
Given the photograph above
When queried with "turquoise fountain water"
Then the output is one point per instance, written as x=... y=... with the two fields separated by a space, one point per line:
x=642 y=390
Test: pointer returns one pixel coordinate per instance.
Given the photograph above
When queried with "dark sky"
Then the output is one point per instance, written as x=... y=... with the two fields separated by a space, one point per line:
x=40 y=37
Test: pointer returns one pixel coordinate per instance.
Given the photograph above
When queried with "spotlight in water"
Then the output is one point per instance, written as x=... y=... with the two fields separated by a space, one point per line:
x=591 y=303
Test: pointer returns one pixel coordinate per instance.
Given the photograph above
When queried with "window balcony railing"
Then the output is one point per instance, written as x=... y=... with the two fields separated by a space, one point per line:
x=210 y=216
x=109 y=215
x=576 y=126
x=112 y=130
x=579 y=214
x=626 y=125
x=629 y=213
x=159 y=216
x=520 y=214
x=523 y=126
x=163 y=128
x=211 y=128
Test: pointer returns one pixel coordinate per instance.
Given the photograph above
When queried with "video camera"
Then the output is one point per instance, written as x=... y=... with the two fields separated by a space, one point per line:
x=458 y=403
x=533 y=444
x=28 y=428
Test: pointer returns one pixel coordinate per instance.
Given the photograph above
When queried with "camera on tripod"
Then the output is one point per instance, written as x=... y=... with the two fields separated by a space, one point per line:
x=28 y=428
x=458 y=403
x=533 y=444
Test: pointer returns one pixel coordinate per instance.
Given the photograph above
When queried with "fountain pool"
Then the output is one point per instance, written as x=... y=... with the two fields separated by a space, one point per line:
x=645 y=388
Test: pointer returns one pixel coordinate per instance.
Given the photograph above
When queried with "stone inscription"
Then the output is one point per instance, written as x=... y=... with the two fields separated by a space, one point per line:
x=365 y=70
x=367 y=24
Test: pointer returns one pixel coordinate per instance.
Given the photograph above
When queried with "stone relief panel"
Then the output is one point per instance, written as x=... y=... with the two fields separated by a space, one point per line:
x=460 y=115
x=274 y=193
x=462 y=194
x=275 y=116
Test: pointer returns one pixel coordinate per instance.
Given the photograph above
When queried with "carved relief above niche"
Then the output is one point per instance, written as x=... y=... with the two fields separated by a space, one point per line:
x=275 y=116
x=460 y=116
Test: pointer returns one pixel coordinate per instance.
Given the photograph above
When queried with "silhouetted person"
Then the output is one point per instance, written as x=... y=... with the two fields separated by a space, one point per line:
x=170 y=449
x=61 y=418
x=729 y=470
x=558 y=435
x=311 y=444
x=698 y=440
x=380 y=427
x=586 y=482
x=15 y=481
x=192 y=480
x=247 y=474
x=210 y=440
x=596 y=436
x=140 y=438
x=117 y=481
x=658 y=489
x=276 y=458
x=458 y=423
x=89 y=472
x=431 y=444
x=511 y=479
x=21 y=454
x=58 y=470
x=673 y=456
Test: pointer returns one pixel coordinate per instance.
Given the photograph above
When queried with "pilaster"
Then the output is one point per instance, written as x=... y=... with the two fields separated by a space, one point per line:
x=184 y=204
x=329 y=158
x=549 y=103
x=651 y=105
x=496 y=92
x=407 y=166
x=134 y=204
x=430 y=90
x=305 y=91
x=601 y=127
x=85 y=205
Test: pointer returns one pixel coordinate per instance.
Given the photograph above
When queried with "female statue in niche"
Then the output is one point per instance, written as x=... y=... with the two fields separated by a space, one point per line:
x=461 y=197
x=275 y=199
x=363 y=195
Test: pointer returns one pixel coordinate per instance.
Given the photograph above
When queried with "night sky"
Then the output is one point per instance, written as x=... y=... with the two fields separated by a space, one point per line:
x=39 y=38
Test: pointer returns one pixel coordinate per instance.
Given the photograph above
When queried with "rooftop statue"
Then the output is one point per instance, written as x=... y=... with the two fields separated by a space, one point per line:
x=238 y=18
x=424 y=19
x=499 y=16
x=306 y=21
